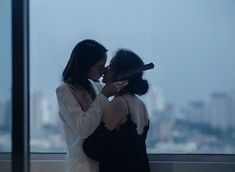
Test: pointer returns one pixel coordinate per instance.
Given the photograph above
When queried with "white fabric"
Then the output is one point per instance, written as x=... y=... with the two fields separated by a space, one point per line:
x=78 y=125
x=138 y=111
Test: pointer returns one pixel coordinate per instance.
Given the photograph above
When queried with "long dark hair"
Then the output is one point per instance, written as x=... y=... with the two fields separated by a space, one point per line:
x=125 y=60
x=84 y=55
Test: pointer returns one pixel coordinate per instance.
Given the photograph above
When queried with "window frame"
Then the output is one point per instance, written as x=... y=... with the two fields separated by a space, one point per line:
x=20 y=86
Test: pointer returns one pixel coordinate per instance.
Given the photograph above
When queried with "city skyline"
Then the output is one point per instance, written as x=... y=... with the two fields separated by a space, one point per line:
x=165 y=129
x=191 y=44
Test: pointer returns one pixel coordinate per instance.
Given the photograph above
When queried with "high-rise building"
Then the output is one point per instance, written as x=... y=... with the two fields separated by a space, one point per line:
x=36 y=112
x=2 y=114
x=157 y=99
x=232 y=110
x=197 y=112
x=218 y=109
x=51 y=116
x=5 y=115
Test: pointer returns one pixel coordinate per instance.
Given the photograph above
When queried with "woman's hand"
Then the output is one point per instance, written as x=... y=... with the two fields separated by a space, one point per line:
x=113 y=88
x=82 y=97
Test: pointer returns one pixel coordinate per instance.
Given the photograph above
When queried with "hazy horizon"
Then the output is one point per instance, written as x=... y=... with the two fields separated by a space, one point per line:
x=191 y=42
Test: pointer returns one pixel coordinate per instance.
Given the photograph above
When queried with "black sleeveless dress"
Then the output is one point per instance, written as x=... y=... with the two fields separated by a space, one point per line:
x=118 y=150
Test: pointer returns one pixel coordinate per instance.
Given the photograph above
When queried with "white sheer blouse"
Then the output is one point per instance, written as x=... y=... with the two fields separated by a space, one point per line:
x=79 y=124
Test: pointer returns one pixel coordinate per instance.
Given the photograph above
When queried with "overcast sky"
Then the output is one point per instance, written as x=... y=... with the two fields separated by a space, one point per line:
x=191 y=42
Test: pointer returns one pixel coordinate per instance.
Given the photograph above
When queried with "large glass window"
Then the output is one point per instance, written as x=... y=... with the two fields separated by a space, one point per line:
x=5 y=76
x=191 y=101
x=5 y=86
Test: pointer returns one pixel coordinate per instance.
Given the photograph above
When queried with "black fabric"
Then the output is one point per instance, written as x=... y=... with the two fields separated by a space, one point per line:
x=118 y=150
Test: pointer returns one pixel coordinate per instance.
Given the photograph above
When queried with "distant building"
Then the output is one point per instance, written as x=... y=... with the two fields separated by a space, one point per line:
x=162 y=117
x=157 y=100
x=232 y=109
x=5 y=116
x=42 y=113
x=218 y=109
x=197 y=112
x=161 y=125
x=36 y=112
x=51 y=115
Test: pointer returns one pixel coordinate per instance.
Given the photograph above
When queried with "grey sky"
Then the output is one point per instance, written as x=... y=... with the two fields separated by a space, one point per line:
x=191 y=42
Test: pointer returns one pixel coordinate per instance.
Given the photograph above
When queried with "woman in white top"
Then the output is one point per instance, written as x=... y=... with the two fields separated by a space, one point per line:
x=81 y=101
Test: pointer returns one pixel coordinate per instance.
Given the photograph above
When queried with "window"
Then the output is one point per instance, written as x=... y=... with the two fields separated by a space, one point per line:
x=192 y=98
x=5 y=77
x=5 y=86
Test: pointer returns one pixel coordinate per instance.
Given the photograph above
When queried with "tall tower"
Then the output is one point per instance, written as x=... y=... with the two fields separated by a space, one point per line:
x=219 y=110
x=36 y=112
x=157 y=99
x=232 y=110
x=197 y=112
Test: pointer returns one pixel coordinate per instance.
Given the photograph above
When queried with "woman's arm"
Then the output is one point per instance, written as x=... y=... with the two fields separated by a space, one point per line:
x=82 y=122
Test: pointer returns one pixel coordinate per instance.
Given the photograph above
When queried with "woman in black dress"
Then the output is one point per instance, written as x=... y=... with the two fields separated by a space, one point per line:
x=119 y=141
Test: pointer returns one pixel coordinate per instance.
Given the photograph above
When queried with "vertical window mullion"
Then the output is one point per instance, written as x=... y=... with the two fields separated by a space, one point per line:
x=20 y=86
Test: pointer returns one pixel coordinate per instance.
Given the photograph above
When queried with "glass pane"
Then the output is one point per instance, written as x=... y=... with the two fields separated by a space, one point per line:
x=5 y=76
x=5 y=85
x=45 y=134
x=192 y=98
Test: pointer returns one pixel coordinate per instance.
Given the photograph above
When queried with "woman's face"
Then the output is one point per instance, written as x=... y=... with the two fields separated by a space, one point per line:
x=97 y=70
x=108 y=75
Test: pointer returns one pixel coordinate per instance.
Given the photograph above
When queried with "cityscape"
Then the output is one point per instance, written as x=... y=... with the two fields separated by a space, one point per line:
x=202 y=126
x=192 y=110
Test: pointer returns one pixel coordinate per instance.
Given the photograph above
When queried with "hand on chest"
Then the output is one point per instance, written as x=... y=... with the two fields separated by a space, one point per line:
x=82 y=97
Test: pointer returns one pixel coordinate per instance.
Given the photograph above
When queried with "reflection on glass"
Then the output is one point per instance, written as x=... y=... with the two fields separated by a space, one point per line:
x=5 y=76
x=192 y=98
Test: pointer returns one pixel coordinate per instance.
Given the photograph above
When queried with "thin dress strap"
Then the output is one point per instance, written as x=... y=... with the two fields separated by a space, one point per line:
x=128 y=112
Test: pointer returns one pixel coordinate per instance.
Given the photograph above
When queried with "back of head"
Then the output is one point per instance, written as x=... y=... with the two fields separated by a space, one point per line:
x=125 y=60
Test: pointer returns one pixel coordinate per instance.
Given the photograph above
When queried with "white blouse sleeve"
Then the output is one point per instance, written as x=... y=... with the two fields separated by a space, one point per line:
x=84 y=123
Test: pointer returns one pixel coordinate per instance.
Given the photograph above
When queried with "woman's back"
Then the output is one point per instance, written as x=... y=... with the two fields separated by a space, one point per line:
x=136 y=107
x=119 y=141
x=123 y=149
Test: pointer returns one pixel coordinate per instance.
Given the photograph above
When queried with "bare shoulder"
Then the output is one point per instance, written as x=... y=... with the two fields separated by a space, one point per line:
x=118 y=105
x=116 y=110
